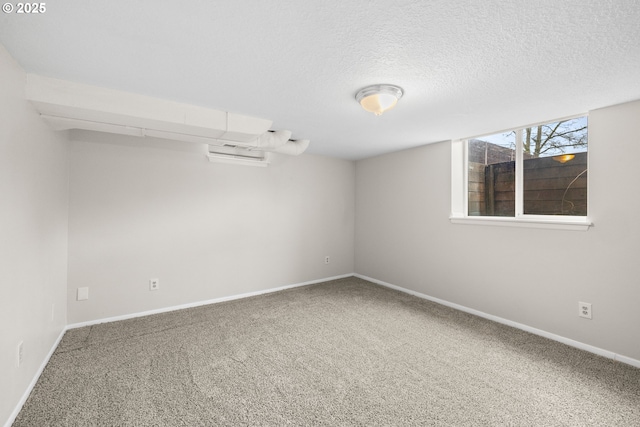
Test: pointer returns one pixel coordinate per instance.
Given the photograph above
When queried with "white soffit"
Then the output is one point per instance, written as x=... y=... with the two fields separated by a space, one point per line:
x=68 y=105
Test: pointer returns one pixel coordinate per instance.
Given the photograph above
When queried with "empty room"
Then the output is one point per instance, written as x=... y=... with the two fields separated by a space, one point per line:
x=391 y=212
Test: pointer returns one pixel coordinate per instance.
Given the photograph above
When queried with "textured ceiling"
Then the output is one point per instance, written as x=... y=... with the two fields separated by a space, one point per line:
x=467 y=67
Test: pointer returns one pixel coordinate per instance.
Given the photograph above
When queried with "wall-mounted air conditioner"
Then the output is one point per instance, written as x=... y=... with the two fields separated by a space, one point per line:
x=67 y=105
x=237 y=155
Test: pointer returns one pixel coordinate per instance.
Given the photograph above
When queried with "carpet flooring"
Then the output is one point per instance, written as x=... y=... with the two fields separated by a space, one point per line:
x=345 y=352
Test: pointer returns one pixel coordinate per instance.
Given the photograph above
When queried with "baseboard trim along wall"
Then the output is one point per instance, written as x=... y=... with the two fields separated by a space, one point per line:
x=554 y=337
x=199 y=303
x=27 y=392
x=33 y=382
x=570 y=342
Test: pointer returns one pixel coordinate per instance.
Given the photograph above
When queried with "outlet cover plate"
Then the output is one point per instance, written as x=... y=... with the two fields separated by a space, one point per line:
x=19 y=354
x=83 y=294
x=584 y=310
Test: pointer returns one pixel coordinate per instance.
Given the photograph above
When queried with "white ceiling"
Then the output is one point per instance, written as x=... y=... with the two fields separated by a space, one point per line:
x=467 y=67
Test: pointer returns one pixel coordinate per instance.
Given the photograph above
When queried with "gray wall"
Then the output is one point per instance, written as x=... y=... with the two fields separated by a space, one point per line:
x=142 y=209
x=531 y=276
x=33 y=236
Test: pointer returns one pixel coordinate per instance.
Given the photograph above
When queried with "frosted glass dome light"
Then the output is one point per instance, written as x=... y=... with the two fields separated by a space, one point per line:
x=379 y=98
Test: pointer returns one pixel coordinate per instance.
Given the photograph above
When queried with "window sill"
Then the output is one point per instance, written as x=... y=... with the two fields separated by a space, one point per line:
x=574 y=224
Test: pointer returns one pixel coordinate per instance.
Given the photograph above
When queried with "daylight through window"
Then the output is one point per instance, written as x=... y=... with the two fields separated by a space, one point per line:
x=539 y=170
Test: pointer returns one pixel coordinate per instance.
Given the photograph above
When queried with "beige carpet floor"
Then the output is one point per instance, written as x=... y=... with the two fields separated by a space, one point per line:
x=345 y=352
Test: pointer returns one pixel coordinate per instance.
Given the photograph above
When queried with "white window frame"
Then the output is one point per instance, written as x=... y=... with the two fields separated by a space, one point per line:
x=459 y=192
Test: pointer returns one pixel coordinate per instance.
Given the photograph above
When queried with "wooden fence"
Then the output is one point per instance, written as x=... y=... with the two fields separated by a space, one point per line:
x=550 y=187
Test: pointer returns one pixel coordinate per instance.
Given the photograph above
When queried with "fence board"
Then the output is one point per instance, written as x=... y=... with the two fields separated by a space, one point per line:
x=550 y=187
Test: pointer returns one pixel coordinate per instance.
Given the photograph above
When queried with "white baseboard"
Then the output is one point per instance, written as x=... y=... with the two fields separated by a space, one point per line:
x=554 y=337
x=570 y=342
x=33 y=382
x=27 y=392
x=200 y=303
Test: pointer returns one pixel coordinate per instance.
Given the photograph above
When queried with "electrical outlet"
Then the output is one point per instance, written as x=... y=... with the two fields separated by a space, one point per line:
x=584 y=310
x=154 y=284
x=327 y=259
x=19 y=352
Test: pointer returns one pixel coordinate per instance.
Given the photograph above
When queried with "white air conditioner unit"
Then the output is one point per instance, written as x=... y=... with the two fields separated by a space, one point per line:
x=67 y=105
x=238 y=156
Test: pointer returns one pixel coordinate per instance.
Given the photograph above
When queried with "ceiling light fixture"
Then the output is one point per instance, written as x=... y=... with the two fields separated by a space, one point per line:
x=379 y=98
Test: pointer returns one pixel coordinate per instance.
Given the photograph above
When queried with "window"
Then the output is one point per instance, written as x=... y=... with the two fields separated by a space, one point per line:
x=533 y=175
